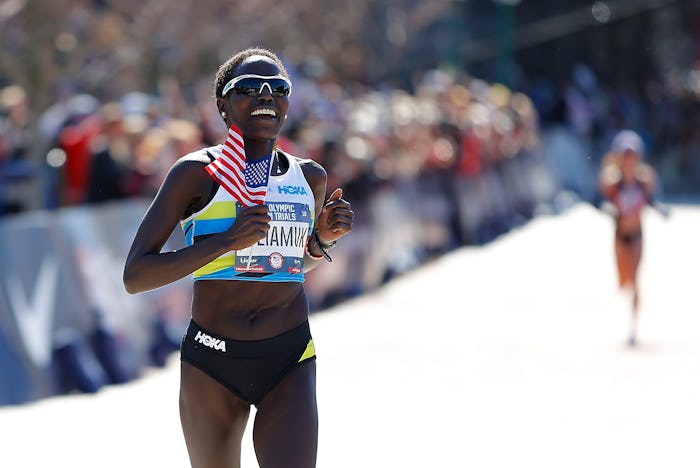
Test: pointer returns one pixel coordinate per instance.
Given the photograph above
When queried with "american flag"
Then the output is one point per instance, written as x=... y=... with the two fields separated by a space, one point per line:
x=246 y=182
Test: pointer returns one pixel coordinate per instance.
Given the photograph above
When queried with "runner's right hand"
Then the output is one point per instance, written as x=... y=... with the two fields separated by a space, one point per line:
x=251 y=225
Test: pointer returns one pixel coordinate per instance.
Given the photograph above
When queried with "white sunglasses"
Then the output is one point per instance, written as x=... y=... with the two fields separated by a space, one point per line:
x=252 y=85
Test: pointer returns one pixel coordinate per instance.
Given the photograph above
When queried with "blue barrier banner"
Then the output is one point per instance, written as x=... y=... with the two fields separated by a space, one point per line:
x=66 y=322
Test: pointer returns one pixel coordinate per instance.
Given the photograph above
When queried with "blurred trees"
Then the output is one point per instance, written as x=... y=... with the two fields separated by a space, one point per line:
x=110 y=47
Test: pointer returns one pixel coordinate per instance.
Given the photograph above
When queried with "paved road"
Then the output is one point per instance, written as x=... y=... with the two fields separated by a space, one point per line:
x=508 y=355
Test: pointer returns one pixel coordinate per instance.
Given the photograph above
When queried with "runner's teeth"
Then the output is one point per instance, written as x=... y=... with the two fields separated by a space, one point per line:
x=264 y=112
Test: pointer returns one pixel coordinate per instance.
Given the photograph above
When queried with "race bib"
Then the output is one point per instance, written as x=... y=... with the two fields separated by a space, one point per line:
x=283 y=248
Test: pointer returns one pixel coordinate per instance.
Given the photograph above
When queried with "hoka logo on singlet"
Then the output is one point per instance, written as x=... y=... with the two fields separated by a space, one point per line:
x=291 y=189
x=211 y=342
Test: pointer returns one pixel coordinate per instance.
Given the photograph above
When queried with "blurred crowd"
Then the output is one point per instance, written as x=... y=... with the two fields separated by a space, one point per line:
x=104 y=151
x=93 y=150
x=451 y=127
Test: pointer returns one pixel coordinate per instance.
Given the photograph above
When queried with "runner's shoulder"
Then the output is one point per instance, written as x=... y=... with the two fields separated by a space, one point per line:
x=201 y=156
x=196 y=160
x=310 y=167
x=192 y=165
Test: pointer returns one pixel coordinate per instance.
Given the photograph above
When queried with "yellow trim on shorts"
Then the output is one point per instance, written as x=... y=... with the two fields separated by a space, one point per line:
x=309 y=352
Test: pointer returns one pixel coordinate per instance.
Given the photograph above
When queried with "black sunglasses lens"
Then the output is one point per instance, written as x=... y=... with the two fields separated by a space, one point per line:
x=253 y=86
x=248 y=86
x=279 y=87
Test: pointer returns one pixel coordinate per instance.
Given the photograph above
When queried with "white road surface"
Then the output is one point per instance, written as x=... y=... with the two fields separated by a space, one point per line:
x=509 y=355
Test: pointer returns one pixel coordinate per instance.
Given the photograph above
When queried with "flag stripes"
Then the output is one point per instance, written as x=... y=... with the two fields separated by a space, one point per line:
x=229 y=171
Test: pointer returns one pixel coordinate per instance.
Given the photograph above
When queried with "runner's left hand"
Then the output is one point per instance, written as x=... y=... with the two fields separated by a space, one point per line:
x=336 y=218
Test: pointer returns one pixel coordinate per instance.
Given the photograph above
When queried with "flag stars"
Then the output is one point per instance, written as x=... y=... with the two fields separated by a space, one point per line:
x=256 y=172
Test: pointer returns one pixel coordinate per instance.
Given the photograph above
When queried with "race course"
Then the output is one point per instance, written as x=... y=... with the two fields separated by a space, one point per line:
x=508 y=355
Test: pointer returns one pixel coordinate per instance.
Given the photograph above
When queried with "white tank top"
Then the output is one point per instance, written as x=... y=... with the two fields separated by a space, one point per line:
x=277 y=258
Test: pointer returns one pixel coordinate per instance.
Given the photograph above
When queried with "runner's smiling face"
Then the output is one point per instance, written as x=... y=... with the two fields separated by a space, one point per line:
x=259 y=116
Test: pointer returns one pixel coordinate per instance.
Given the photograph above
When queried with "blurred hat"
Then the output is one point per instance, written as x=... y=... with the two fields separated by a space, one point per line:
x=628 y=140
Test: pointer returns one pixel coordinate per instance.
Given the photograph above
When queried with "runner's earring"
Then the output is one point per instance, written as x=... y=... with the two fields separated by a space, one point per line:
x=223 y=114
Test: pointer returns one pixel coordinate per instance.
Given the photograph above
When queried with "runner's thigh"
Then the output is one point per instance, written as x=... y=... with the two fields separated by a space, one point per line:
x=286 y=423
x=213 y=420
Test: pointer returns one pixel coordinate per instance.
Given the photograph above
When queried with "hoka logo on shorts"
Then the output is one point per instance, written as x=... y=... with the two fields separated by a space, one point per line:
x=291 y=189
x=213 y=343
